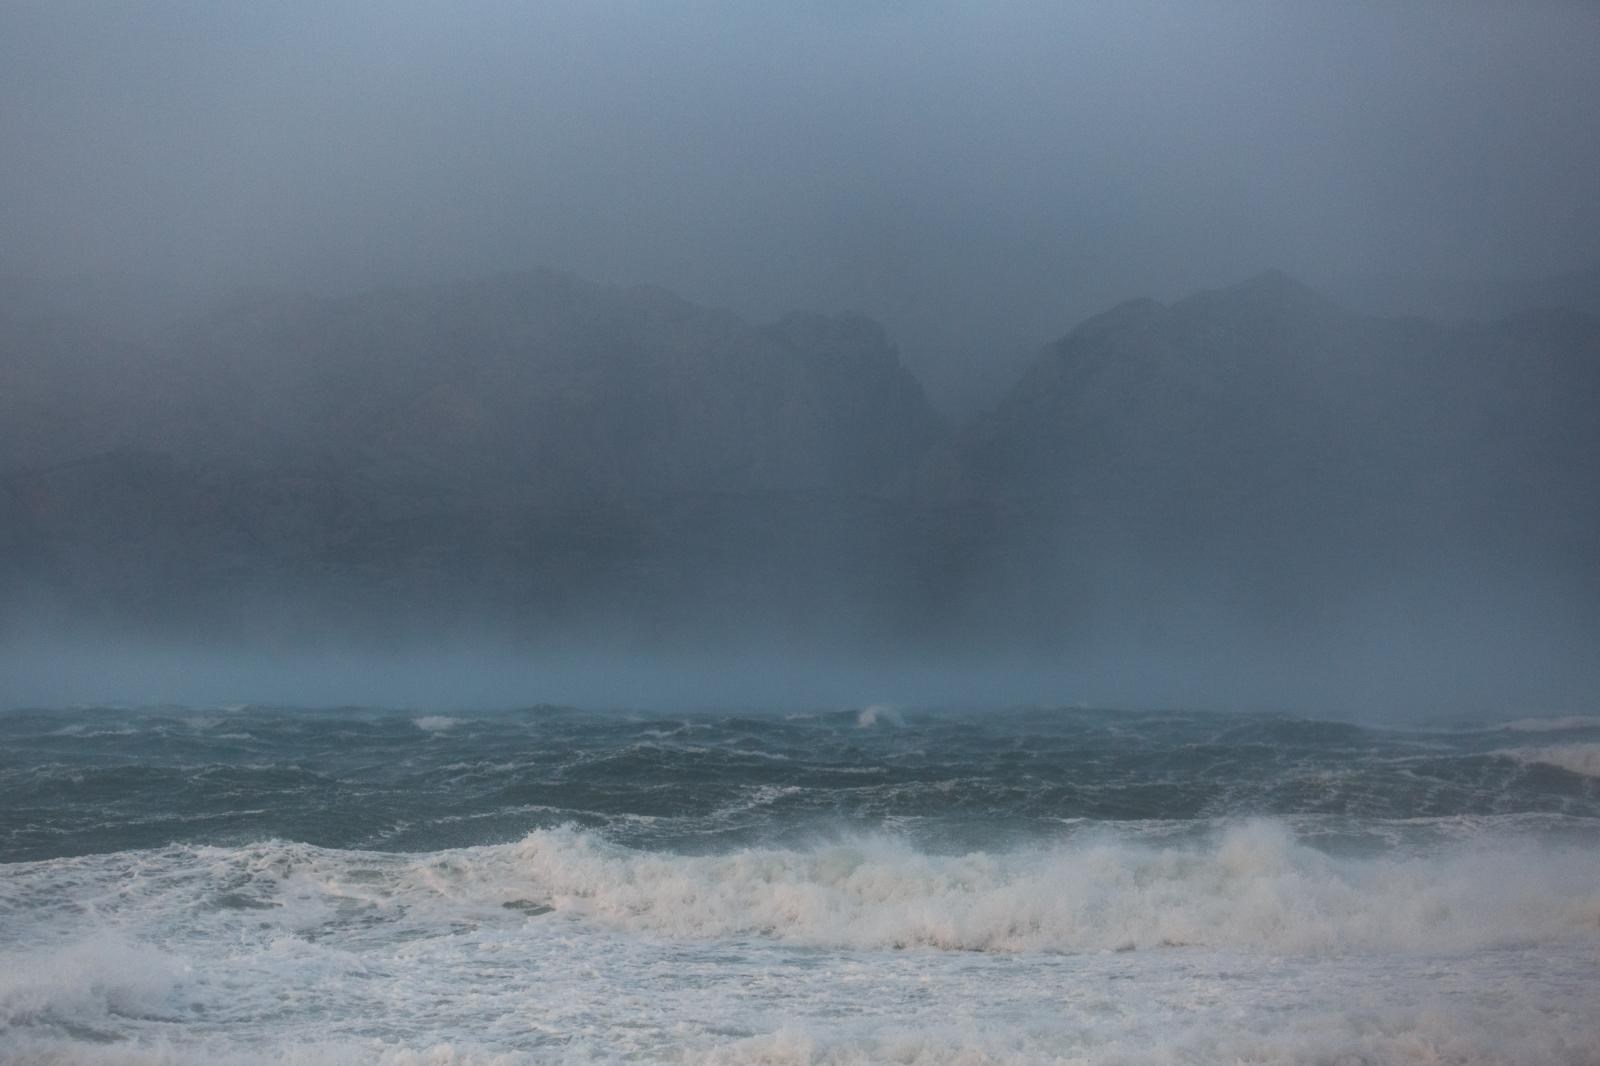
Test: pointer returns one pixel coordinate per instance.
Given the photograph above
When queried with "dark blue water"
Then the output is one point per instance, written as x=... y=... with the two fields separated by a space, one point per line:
x=76 y=782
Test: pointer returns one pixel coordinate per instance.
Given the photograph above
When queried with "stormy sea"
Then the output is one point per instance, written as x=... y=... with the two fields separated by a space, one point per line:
x=277 y=885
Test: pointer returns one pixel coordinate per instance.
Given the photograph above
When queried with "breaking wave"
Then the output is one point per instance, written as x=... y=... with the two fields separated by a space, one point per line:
x=1251 y=887
x=86 y=983
x=861 y=886
x=1581 y=759
x=1559 y=724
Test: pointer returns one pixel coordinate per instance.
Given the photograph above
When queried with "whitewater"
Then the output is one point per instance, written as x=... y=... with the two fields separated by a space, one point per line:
x=550 y=885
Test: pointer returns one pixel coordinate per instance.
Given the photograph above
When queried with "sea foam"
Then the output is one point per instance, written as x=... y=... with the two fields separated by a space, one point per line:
x=1246 y=945
x=1581 y=759
x=86 y=983
x=1251 y=886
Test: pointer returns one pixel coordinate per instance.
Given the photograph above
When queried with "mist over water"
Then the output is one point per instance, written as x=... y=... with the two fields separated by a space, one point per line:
x=1385 y=676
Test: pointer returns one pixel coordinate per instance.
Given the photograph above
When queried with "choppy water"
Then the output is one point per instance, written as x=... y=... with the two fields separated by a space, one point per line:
x=265 y=885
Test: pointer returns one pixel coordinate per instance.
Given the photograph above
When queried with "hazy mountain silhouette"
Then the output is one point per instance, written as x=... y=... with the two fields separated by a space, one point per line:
x=538 y=451
x=1479 y=300
x=525 y=440
x=1272 y=449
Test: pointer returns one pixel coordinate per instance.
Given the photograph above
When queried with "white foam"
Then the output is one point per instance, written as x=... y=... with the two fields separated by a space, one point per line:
x=1253 y=888
x=1378 y=1035
x=86 y=982
x=86 y=730
x=47 y=1052
x=1250 y=887
x=1553 y=725
x=879 y=714
x=1578 y=758
x=435 y=723
x=1250 y=948
x=1189 y=1024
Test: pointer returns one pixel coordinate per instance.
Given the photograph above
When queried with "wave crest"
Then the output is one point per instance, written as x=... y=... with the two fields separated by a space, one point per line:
x=87 y=982
x=1253 y=887
x=1583 y=759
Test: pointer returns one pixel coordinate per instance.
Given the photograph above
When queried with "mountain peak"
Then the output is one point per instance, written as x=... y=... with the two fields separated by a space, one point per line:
x=1271 y=278
x=1275 y=284
x=1271 y=292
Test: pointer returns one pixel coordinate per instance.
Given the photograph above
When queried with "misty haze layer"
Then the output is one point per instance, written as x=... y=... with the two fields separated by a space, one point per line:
x=284 y=370
x=978 y=177
x=1253 y=492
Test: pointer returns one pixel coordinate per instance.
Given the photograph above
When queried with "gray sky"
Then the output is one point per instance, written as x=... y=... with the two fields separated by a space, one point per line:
x=979 y=176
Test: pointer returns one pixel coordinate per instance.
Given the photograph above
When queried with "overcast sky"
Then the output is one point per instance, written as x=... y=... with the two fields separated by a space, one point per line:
x=977 y=175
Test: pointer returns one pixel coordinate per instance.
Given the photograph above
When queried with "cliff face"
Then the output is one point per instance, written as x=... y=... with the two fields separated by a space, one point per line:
x=1266 y=440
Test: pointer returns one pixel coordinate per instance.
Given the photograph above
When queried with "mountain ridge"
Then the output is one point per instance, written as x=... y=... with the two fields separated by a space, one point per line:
x=535 y=448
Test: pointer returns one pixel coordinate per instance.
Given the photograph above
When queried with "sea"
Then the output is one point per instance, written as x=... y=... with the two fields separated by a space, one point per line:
x=859 y=885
